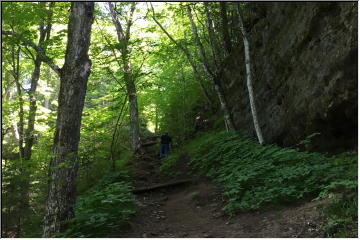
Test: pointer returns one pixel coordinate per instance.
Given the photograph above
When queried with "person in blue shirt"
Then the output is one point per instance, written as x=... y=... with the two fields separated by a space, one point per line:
x=165 y=145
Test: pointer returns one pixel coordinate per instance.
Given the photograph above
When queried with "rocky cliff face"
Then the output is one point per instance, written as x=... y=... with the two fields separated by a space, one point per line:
x=304 y=58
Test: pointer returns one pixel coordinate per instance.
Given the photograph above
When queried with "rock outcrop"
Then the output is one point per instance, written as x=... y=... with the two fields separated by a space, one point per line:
x=304 y=58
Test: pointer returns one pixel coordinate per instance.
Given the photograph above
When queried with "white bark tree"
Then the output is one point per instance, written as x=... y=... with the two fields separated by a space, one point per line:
x=248 y=77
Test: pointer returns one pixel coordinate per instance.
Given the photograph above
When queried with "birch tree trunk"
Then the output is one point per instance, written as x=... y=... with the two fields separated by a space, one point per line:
x=248 y=78
x=220 y=93
x=73 y=80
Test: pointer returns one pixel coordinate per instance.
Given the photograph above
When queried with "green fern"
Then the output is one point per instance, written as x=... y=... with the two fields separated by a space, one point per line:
x=252 y=175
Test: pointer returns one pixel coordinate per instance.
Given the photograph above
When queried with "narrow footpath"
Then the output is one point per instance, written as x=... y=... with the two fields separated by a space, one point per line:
x=192 y=209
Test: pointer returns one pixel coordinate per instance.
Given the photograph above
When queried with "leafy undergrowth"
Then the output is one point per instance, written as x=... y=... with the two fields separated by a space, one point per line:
x=105 y=207
x=254 y=176
x=168 y=164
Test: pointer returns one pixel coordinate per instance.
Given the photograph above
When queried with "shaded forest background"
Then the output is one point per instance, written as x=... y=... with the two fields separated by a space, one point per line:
x=179 y=68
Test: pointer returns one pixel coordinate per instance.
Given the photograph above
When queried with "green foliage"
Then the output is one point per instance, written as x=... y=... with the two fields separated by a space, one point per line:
x=342 y=217
x=105 y=207
x=307 y=141
x=342 y=212
x=254 y=176
x=168 y=164
x=169 y=98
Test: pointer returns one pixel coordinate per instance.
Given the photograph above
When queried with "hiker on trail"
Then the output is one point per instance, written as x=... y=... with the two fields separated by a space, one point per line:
x=165 y=145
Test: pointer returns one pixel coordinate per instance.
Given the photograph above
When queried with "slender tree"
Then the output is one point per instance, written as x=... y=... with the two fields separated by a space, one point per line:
x=73 y=81
x=215 y=78
x=248 y=77
x=123 y=36
x=20 y=54
x=19 y=126
x=113 y=140
x=44 y=35
x=188 y=57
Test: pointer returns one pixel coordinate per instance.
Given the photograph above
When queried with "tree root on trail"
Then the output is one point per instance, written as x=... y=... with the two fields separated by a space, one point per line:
x=148 y=144
x=163 y=185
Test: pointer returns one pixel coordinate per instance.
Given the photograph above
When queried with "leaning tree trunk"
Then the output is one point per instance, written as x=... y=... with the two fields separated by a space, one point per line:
x=248 y=78
x=189 y=58
x=219 y=91
x=73 y=80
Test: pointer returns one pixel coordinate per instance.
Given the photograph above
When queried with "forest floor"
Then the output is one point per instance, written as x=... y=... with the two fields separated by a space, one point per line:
x=193 y=210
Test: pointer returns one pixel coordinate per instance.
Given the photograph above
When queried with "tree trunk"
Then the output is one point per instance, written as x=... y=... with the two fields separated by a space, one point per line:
x=73 y=80
x=134 y=116
x=114 y=135
x=124 y=37
x=227 y=117
x=18 y=127
x=212 y=38
x=29 y=135
x=16 y=74
x=156 y=118
x=188 y=56
x=229 y=125
x=225 y=28
x=248 y=78
x=29 y=140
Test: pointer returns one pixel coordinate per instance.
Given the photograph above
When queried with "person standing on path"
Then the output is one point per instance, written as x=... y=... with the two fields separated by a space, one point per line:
x=165 y=145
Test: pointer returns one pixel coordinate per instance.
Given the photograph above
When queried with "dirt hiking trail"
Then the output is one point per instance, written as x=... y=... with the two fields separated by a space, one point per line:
x=193 y=210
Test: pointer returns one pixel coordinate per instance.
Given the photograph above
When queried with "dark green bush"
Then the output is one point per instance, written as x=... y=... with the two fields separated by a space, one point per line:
x=342 y=212
x=105 y=207
x=342 y=217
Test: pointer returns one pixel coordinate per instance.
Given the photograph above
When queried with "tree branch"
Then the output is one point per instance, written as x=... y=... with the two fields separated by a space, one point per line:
x=129 y=21
x=38 y=50
x=119 y=29
x=185 y=50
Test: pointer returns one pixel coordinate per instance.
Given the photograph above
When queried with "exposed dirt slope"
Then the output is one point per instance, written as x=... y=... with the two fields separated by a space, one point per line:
x=194 y=210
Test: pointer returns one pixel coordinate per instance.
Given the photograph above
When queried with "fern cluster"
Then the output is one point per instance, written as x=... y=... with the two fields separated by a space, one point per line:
x=253 y=176
x=105 y=207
